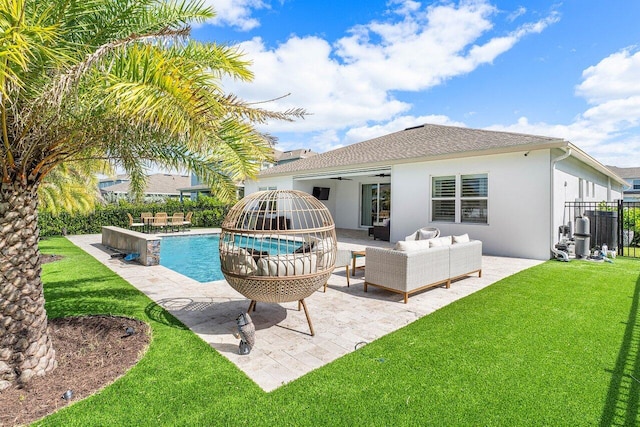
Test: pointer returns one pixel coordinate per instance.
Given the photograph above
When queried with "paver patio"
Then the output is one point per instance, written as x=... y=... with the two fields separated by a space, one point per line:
x=343 y=318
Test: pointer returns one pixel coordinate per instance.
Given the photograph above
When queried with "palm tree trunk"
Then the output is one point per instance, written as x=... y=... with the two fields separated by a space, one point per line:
x=25 y=346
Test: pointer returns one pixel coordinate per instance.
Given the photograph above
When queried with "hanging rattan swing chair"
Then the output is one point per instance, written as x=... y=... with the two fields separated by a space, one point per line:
x=278 y=246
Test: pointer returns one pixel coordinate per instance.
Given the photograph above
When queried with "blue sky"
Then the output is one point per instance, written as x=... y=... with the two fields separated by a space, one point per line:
x=363 y=69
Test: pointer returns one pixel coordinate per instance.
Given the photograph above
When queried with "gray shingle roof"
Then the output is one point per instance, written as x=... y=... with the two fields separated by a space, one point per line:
x=420 y=142
x=158 y=183
x=627 y=173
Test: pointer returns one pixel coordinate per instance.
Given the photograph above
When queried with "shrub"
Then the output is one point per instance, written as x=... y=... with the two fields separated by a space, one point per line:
x=207 y=212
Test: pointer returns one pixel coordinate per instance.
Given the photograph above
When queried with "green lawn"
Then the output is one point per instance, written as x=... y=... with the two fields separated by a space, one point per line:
x=554 y=345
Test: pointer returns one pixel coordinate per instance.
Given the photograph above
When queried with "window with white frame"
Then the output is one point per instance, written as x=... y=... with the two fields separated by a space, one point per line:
x=443 y=198
x=474 y=195
x=460 y=198
x=268 y=205
x=636 y=184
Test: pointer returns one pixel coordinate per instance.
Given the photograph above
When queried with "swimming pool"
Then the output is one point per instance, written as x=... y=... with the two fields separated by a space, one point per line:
x=197 y=257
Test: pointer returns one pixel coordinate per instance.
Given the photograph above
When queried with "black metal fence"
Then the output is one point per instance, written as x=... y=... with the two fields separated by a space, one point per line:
x=614 y=224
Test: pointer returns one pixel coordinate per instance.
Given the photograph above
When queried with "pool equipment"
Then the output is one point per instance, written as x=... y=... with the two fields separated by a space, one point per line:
x=582 y=237
x=566 y=245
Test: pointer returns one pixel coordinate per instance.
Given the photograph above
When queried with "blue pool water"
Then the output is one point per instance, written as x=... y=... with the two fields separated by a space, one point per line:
x=193 y=256
x=197 y=257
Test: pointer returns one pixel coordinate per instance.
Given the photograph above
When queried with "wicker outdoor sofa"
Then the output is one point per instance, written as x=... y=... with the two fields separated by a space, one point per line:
x=420 y=264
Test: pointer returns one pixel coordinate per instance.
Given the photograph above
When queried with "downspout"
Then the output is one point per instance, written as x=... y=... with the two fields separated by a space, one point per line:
x=557 y=254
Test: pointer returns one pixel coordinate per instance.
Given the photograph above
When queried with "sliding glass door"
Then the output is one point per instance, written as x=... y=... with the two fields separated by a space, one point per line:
x=375 y=203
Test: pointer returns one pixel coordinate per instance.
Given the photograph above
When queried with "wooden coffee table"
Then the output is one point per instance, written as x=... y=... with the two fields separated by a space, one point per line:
x=354 y=256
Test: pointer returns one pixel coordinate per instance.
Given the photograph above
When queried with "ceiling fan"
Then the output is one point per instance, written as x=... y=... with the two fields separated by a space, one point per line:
x=382 y=175
x=339 y=178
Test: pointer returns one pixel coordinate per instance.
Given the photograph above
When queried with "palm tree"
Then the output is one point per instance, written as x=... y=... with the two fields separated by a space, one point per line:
x=84 y=80
x=71 y=187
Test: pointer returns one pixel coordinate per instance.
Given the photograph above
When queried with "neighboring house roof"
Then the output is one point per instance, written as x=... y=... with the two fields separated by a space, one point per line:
x=279 y=157
x=194 y=188
x=291 y=155
x=158 y=183
x=119 y=177
x=424 y=143
x=628 y=173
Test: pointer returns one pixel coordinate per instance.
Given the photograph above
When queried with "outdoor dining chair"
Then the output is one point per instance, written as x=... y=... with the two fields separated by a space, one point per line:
x=133 y=225
x=177 y=221
x=160 y=220
x=187 y=220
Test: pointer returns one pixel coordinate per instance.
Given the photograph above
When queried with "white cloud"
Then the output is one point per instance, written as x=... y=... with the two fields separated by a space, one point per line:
x=364 y=133
x=614 y=77
x=608 y=129
x=516 y=13
x=335 y=95
x=326 y=141
x=405 y=7
x=236 y=13
x=352 y=82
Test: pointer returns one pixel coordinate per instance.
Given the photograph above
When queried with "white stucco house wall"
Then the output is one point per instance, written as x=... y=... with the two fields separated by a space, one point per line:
x=506 y=189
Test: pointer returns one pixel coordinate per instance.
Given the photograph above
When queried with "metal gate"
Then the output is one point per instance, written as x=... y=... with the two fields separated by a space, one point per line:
x=615 y=224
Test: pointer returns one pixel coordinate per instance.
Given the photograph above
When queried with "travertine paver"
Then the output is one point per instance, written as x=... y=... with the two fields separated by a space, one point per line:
x=343 y=317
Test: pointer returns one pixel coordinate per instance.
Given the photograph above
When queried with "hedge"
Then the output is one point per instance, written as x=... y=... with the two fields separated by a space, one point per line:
x=207 y=212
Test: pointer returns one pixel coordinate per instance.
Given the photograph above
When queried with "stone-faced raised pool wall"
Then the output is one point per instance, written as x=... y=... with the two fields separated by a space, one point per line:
x=129 y=241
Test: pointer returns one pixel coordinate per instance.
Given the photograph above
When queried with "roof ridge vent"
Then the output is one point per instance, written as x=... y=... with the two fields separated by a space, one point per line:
x=415 y=127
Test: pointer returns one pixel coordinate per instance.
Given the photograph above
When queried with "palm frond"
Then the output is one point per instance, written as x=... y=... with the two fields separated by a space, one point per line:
x=25 y=40
x=130 y=86
x=71 y=187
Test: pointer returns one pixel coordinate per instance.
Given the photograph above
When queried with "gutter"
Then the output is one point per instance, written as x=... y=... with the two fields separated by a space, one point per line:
x=567 y=154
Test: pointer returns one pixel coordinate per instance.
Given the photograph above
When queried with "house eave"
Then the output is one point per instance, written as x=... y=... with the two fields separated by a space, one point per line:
x=587 y=159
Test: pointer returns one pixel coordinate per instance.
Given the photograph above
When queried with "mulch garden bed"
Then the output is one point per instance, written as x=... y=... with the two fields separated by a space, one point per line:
x=91 y=351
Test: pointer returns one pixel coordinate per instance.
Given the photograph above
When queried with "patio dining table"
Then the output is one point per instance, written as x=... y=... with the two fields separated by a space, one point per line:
x=157 y=221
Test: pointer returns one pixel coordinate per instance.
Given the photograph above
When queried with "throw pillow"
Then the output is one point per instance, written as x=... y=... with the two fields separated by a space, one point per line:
x=440 y=241
x=464 y=238
x=239 y=262
x=412 y=236
x=426 y=234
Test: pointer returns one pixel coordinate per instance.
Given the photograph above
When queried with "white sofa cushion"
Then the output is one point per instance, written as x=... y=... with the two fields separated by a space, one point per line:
x=411 y=245
x=287 y=265
x=324 y=247
x=463 y=238
x=422 y=234
x=439 y=241
x=239 y=261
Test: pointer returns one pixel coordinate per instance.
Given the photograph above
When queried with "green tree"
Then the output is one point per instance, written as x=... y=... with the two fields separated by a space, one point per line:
x=84 y=80
x=71 y=188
